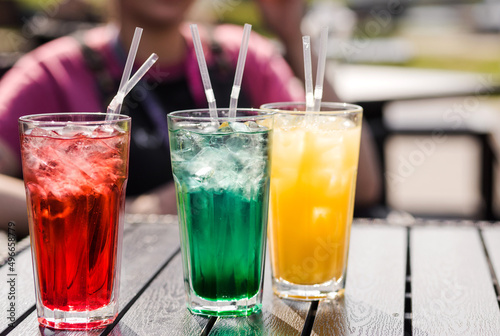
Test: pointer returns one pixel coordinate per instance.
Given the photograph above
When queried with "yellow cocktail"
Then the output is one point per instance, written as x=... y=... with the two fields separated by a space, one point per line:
x=313 y=178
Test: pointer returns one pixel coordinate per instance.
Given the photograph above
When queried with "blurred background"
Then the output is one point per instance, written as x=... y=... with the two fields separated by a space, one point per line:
x=425 y=71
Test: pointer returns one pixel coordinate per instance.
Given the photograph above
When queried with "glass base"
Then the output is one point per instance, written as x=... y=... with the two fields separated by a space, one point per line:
x=329 y=290
x=243 y=307
x=77 y=320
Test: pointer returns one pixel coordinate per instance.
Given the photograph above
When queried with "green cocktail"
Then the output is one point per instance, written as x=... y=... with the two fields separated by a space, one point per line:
x=221 y=173
x=223 y=237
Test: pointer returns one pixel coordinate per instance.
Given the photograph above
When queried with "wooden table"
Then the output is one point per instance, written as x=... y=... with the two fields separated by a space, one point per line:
x=448 y=287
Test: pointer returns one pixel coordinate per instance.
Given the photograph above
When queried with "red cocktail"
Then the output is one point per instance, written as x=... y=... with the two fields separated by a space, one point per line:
x=75 y=170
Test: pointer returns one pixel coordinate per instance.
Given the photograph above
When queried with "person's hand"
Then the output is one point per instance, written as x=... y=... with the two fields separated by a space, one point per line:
x=8 y=162
x=283 y=17
x=13 y=204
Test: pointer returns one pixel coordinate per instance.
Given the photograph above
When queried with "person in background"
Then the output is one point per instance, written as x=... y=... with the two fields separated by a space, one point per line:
x=81 y=73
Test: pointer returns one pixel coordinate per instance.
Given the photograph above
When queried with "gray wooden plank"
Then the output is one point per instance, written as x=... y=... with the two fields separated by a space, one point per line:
x=145 y=249
x=24 y=288
x=452 y=290
x=491 y=236
x=278 y=317
x=373 y=303
x=161 y=309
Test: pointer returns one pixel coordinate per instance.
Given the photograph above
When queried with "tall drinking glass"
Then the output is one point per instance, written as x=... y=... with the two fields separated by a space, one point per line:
x=313 y=179
x=75 y=169
x=221 y=174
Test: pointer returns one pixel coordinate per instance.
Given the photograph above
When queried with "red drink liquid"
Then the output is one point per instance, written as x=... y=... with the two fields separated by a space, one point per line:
x=75 y=189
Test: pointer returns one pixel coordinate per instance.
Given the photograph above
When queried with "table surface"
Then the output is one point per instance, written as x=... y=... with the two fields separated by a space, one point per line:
x=428 y=278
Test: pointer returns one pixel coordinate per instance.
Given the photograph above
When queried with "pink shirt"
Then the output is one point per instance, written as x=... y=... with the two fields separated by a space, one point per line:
x=55 y=78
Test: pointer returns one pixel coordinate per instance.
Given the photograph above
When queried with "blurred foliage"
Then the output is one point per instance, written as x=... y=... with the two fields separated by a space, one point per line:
x=37 y=4
x=461 y=63
x=243 y=12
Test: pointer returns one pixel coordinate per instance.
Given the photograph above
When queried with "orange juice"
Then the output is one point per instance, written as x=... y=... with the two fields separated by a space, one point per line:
x=313 y=178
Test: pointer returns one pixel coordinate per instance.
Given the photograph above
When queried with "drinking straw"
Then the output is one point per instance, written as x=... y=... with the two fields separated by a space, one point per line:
x=128 y=69
x=235 y=92
x=320 y=74
x=212 y=106
x=306 y=45
x=117 y=101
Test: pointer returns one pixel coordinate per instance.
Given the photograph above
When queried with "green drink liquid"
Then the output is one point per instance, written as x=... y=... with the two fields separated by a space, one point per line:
x=222 y=183
x=225 y=237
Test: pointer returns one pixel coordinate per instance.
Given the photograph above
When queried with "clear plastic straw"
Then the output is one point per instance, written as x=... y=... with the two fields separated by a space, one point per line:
x=117 y=101
x=212 y=106
x=320 y=74
x=128 y=67
x=306 y=45
x=235 y=92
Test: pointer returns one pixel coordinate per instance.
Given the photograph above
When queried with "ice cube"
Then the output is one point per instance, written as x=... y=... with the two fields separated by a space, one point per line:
x=239 y=127
x=223 y=181
x=210 y=127
x=251 y=181
x=204 y=173
x=253 y=126
x=333 y=123
x=73 y=130
x=287 y=122
x=237 y=142
x=42 y=132
x=209 y=157
x=253 y=170
x=177 y=156
x=187 y=144
x=35 y=145
x=192 y=139
x=263 y=125
x=218 y=140
x=103 y=131
x=213 y=165
x=183 y=176
x=348 y=124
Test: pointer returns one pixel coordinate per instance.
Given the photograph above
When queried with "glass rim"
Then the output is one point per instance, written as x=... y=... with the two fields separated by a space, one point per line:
x=259 y=114
x=336 y=107
x=40 y=119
